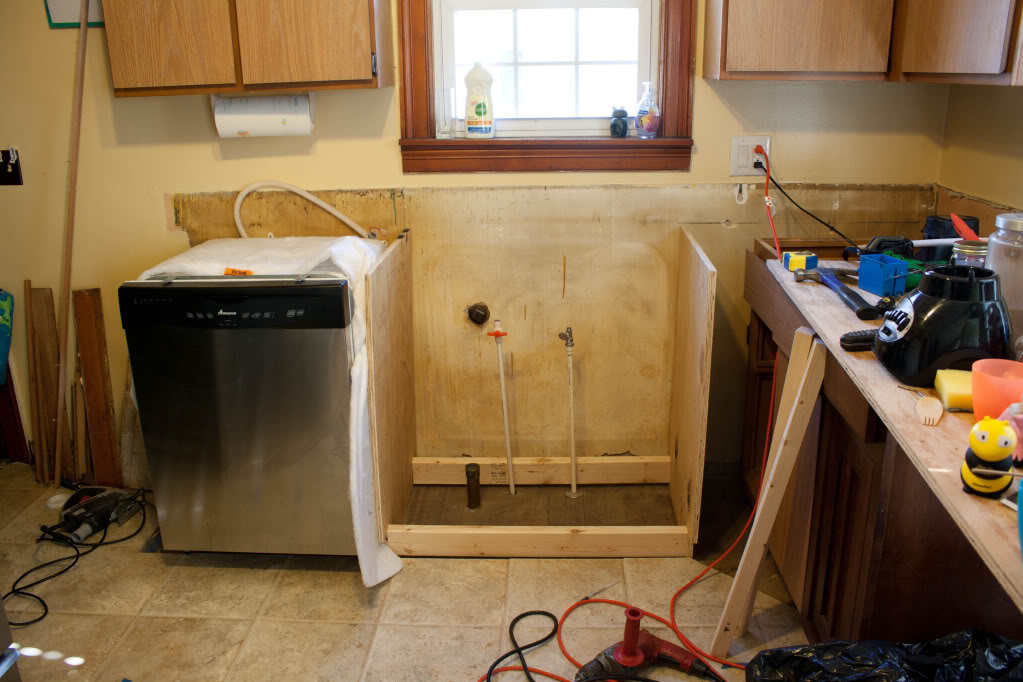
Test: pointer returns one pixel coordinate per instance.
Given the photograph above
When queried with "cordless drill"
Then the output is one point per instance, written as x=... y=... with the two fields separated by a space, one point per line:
x=637 y=650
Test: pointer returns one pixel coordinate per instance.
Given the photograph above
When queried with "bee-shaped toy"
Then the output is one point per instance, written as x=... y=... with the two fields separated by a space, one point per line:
x=991 y=445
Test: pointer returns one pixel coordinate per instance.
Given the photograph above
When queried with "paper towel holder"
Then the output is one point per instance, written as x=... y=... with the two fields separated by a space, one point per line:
x=265 y=118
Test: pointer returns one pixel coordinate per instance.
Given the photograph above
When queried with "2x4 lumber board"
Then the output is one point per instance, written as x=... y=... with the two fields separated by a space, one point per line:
x=690 y=380
x=391 y=389
x=540 y=541
x=33 y=380
x=99 y=396
x=44 y=329
x=806 y=372
x=543 y=470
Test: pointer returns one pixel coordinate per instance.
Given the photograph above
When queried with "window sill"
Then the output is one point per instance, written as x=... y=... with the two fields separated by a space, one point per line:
x=545 y=154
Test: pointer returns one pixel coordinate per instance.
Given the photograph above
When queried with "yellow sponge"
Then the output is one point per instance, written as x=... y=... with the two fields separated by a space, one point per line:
x=955 y=386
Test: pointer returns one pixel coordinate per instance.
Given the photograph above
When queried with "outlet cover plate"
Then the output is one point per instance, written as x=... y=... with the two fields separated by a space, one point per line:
x=742 y=156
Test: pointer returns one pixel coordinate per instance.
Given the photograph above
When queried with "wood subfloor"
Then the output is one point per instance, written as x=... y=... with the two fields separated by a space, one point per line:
x=543 y=505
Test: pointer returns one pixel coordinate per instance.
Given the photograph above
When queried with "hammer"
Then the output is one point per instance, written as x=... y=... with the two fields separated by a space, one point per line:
x=829 y=276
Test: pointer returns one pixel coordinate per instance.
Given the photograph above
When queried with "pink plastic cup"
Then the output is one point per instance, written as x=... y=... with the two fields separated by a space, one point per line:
x=996 y=385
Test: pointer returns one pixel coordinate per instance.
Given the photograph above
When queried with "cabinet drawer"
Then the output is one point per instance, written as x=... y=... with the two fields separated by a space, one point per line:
x=168 y=43
x=298 y=41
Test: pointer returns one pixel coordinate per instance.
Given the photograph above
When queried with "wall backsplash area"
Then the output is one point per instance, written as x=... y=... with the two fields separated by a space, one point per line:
x=138 y=152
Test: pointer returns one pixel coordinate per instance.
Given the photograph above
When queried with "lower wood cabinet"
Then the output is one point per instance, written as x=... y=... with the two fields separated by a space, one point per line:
x=864 y=546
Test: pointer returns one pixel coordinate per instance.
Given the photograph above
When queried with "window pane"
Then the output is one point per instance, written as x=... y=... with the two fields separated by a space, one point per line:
x=483 y=36
x=546 y=91
x=546 y=35
x=502 y=93
x=603 y=87
x=610 y=34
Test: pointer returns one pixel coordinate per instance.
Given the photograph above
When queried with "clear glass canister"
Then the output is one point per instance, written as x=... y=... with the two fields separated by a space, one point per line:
x=1005 y=256
x=968 y=252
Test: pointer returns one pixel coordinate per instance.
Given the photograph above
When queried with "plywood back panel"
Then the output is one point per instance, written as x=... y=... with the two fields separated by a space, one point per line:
x=690 y=384
x=391 y=394
x=210 y=215
x=543 y=259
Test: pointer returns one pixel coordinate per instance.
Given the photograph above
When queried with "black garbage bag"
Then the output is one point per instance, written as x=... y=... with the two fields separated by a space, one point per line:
x=971 y=655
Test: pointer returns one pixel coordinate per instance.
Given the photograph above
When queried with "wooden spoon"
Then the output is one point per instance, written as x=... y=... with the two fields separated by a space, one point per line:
x=928 y=409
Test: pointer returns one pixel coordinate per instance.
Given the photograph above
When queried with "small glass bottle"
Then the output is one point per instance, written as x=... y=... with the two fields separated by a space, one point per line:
x=971 y=253
x=1005 y=257
x=648 y=114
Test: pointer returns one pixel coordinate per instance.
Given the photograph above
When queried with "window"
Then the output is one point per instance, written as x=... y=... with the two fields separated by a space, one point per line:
x=558 y=67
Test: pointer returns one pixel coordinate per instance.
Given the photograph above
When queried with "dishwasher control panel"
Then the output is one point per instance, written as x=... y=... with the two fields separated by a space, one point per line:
x=284 y=305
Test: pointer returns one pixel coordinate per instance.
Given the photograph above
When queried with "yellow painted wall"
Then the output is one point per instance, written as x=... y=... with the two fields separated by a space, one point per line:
x=134 y=151
x=982 y=152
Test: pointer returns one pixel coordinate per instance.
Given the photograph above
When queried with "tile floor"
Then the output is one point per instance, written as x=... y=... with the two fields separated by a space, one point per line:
x=167 y=616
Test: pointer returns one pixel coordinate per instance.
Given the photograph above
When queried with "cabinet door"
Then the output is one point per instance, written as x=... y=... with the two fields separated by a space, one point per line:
x=954 y=36
x=163 y=43
x=844 y=512
x=808 y=35
x=299 y=41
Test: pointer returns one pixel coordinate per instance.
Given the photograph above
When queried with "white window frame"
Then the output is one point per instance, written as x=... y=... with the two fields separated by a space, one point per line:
x=450 y=115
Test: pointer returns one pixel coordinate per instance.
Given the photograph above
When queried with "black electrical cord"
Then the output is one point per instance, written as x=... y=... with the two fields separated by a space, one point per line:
x=50 y=534
x=760 y=165
x=520 y=650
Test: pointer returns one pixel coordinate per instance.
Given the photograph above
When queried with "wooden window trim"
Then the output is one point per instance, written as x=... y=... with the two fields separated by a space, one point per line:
x=423 y=152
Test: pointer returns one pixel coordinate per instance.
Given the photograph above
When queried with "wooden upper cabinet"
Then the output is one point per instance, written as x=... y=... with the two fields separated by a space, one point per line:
x=296 y=41
x=797 y=39
x=169 y=43
x=181 y=47
x=964 y=41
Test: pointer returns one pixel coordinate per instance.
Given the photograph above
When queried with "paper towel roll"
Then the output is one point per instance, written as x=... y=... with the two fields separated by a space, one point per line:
x=263 y=116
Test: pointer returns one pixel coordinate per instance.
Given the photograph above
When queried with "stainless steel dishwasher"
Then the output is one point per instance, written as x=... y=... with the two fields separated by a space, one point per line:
x=243 y=393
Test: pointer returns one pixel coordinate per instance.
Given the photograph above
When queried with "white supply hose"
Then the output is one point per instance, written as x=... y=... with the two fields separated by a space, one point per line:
x=497 y=334
x=276 y=184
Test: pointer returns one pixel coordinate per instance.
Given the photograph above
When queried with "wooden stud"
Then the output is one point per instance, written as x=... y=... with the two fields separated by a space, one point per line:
x=391 y=389
x=539 y=541
x=44 y=326
x=99 y=397
x=69 y=240
x=542 y=470
x=806 y=370
x=33 y=387
x=690 y=379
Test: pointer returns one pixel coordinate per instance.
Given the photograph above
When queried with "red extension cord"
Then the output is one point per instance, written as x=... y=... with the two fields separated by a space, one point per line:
x=696 y=651
x=767 y=198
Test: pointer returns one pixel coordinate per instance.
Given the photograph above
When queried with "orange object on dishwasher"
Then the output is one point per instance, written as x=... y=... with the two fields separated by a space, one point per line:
x=996 y=385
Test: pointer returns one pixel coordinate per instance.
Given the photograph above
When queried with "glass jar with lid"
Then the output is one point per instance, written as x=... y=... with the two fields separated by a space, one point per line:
x=1005 y=257
x=969 y=252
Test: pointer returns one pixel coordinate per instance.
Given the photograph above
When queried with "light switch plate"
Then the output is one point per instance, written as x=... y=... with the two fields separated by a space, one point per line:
x=742 y=156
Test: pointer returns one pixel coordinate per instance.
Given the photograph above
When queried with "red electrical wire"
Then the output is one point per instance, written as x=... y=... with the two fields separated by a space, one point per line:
x=518 y=668
x=695 y=650
x=767 y=204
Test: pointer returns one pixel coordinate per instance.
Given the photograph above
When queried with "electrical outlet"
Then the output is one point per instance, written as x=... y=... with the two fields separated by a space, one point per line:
x=742 y=156
x=10 y=167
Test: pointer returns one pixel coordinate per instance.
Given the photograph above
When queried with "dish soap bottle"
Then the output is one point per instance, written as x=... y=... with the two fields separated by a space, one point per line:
x=648 y=114
x=479 y=114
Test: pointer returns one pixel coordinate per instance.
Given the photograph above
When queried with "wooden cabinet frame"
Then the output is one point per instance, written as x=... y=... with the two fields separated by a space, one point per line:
x=422 y=151
x=390 y=339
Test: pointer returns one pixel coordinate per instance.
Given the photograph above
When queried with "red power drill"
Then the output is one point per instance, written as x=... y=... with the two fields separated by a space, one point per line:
x=637 y=650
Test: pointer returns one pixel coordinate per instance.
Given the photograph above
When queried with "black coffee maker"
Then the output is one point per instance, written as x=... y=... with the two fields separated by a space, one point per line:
x=956 y=316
